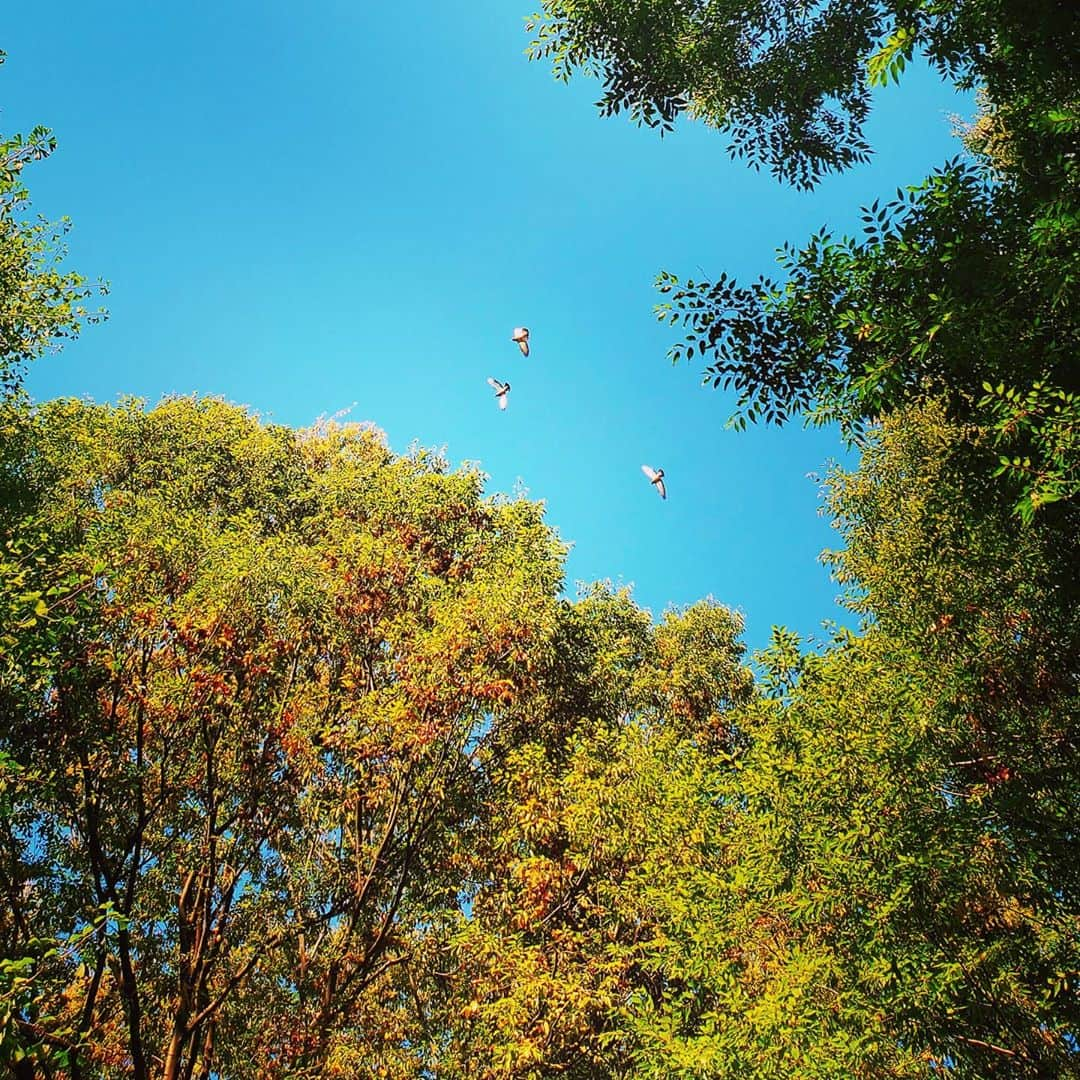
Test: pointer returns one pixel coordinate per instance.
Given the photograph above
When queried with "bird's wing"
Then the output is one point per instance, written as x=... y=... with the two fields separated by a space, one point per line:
x=494 y=384
x=660 y=487
x=650 y=473
x=523 y=344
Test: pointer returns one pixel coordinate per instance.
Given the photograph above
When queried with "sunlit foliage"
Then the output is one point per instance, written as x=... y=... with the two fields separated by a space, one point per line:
x=245 y=723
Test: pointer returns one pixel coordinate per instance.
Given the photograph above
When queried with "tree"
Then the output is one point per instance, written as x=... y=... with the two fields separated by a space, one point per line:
x=861 y=913
x=895 y=890
x=963 y=287
x=592 y=814
x=40 y=304
x=240 y=776
x=887 y=885
x=949 y=294
x=789 y=81
x=866 y=867
x=935 y=560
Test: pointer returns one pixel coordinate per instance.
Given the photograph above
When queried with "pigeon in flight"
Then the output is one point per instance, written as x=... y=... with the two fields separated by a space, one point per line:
x=656 y=477
x=502 y=391
x=521 y=336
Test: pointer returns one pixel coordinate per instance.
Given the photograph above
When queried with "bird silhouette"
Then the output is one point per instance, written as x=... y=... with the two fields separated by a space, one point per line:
x=656 y=478
x=521 y=336
x=502 y=391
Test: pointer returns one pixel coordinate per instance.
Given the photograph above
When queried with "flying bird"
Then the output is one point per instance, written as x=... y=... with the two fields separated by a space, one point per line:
x=656 y=477
x=502 y=391
x=521 y=336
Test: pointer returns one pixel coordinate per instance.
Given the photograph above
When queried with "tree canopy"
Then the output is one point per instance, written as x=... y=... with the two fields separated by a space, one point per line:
x=245 y=754
x=309 y=767
x=965 y=285
x=790 y=83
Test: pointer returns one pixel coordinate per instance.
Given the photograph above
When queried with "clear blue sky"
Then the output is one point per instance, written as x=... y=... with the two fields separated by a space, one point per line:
x=303 y=206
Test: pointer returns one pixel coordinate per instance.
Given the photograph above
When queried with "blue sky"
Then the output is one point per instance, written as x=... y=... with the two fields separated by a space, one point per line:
x=305 y=206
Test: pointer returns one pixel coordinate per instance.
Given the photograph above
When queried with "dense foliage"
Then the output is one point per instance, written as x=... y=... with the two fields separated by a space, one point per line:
x=307 y=771
x=791 y=82
x=866 y=867
x=953 y=292
x=905 y=846
x=307 y=768
x=249 y=750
